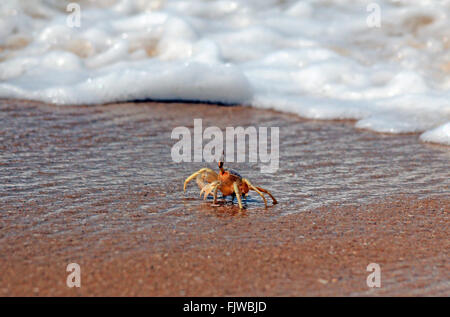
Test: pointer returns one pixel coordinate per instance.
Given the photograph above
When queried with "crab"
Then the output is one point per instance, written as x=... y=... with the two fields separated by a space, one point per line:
x=229 y=182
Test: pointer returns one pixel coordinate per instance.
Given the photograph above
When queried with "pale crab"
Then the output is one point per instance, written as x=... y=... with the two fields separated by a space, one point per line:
x=229 y=182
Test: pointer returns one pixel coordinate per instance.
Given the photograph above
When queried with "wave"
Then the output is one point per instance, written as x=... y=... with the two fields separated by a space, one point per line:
x=318 y=59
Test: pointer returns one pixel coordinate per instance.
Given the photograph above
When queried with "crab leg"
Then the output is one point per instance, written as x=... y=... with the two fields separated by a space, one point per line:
x=268 y=193
x=237 y=191
x=196 y=174
x=215 y=193
x=256 y=190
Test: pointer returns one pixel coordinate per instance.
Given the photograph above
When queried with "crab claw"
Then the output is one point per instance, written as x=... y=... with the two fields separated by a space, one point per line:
x=207 y=174
x=208 y=189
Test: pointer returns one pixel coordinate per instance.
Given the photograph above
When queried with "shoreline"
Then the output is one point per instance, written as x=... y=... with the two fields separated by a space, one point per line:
x=62 y=107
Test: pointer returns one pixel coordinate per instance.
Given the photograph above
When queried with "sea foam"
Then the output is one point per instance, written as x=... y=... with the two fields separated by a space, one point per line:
x=318 y=59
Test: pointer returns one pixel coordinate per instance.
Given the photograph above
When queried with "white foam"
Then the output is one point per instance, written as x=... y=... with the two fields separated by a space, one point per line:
x=317 y=59
x=440 y=134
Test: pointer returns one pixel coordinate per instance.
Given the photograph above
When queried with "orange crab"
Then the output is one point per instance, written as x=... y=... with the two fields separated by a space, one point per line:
x=228 y=182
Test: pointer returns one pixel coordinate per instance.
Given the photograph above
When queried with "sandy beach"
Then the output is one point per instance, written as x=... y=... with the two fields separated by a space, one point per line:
x=96 y=185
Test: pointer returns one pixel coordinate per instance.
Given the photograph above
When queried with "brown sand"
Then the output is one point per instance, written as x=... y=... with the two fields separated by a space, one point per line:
x=97 y=186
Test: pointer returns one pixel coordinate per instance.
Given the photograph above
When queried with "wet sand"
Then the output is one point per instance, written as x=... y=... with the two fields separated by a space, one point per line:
x=97 y=186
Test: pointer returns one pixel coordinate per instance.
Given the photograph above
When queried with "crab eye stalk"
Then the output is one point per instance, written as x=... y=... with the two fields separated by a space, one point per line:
x=221 y=160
